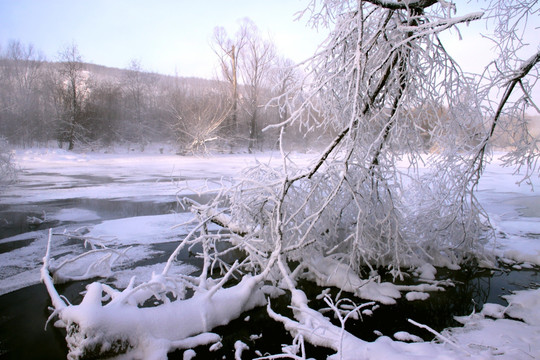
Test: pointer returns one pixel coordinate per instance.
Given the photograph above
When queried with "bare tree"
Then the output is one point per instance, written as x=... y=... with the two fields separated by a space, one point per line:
x=198 y=115
x=249 y=58
x=72 y=87
x=228 y=52
x=104 y=108
x=8 y=170
x=256 y=63
x=137 y=86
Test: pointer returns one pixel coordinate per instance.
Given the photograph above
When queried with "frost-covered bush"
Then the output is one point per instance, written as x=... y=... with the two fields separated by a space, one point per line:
x=7 y=168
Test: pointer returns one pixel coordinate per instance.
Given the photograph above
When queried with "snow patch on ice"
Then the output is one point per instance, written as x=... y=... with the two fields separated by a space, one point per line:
x=524 y=305
x=141 y=229
x=495 y=311
x=75 y=214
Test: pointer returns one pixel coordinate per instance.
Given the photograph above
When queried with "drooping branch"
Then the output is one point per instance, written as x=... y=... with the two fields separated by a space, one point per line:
x=525 y=68
x=515 y=79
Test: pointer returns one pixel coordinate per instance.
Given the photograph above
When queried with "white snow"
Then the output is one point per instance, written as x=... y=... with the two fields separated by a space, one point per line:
x=141 y=229
x=216 y=346
x=189 y=354
x=55 y=174
x=514 y=212
x=427 y=272
x=49 y=174
x=405 y=336
x=415 y=295
x=503 y=338
x=239 y=347
x=154 y=331
x=326 y=271
x=74 y=214
x=524 y=306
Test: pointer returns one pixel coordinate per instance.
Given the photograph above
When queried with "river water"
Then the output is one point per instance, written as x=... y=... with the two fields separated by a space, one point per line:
x=53 y=196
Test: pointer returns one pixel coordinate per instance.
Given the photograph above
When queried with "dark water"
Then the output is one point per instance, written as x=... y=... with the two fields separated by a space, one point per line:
x=13 y=218
x=23 y=314
x=473 y=288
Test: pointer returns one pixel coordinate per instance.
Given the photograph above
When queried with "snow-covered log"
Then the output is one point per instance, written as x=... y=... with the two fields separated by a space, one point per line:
x=112 y=322
x=151 y=332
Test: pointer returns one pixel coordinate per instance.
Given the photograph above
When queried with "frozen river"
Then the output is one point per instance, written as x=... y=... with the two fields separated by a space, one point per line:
x=130 y=200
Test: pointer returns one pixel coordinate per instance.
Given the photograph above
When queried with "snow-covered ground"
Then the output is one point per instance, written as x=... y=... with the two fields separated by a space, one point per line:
x=53 y=185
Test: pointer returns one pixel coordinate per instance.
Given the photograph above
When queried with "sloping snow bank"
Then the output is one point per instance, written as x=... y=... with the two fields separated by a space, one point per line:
x=492 y=333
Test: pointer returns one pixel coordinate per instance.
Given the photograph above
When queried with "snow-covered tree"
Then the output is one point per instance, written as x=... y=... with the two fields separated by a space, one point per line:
x=374 y=202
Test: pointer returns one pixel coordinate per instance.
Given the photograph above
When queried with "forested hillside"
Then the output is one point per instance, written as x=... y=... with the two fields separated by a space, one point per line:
x=82 y=105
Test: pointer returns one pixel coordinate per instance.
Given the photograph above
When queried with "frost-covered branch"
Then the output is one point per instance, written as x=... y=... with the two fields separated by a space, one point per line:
x=403 y=5
x=513 y=80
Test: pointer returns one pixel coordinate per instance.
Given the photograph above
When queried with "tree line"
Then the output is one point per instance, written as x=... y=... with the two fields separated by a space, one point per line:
x=78 y=104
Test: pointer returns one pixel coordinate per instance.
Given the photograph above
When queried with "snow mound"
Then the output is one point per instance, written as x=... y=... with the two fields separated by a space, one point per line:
x=405 y=336
x=415 y=295
x=427 y=272
x=327 y=271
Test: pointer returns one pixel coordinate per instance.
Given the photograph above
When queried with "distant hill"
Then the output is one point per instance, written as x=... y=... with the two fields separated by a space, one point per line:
x=105 y=73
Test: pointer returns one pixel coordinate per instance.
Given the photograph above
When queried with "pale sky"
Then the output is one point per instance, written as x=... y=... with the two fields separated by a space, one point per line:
x=173 y=36
x=164 y=35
